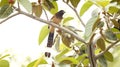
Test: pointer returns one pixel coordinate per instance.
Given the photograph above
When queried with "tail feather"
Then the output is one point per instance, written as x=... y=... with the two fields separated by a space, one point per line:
x=49 y=43
x=50 y=39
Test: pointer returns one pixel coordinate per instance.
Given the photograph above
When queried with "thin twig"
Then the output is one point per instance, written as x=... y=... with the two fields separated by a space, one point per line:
x=8 y=18
x=18 y=6
x=45 y=14
x=102 y=35
x=75 y=13
x=107 y=19
x=100 y=54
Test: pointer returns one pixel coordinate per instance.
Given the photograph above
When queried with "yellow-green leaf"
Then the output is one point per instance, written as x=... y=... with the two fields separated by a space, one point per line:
x=86 y=62
x=48 y=4
x=68 y=60
x=108 y=56
x=4 y=63
x=5 y=11
x=101 y=44
x=4 y=2
x=75 y=2
x=55 y=9
x=51 y=6
x=85 y=7
x=26 y=4
x=113 y=9
x=117 y=32
x=43 y=33
x=82 y=49
x=67 y=19
x=81 y=57
x=61 y=54
x=102 y=3
x=39 y=61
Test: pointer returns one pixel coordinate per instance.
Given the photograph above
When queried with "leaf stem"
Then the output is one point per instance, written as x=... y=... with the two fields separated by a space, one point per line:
x=74 y=9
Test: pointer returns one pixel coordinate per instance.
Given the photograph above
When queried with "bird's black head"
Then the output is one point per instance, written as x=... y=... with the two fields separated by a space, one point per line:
x=60 y=13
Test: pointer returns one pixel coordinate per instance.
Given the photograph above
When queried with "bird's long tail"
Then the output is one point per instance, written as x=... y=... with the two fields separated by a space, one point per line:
x=49 y=43
x=50 y=39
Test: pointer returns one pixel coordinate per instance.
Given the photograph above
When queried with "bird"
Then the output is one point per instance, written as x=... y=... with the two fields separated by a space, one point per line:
x=57 y=18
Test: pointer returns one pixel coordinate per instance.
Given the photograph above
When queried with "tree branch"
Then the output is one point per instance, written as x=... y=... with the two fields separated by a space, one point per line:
x=100 y=54
x=91 y=51
x=75 y=13
x=8 y=18
x=44 y=21
x=55 y=25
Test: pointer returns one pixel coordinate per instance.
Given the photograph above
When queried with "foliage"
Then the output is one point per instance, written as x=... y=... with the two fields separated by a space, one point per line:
x=101 y=32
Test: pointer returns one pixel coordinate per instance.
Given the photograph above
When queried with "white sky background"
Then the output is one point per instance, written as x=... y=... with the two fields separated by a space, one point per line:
x=19 y=36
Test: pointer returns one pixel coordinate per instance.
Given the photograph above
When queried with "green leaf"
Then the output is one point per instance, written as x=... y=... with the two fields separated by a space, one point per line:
x=102 y=3
x=113 y=9
x=48 y=4
x=63 y=47
x=85 y=7
x=31 y=64
x=108 y=56
x=43 y=33
x=58 y=57
x=4 y=63
x=86 y=62
x=26 y=4
x=43 y=61
x=4 y=2
x=55 y=9
x=83 y=49
x=75 y=3
x=5 y=11
x=81 y=57
x=114 y=30
x=117 y=32
x=68 y=60
x=97 y=24
x=110 y=35
x=89 y=27
x=102 y=61
x=101 y=44
x=67 y=19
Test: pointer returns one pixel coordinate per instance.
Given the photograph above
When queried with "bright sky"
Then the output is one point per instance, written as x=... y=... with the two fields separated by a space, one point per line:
x=19 y=37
